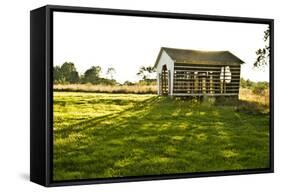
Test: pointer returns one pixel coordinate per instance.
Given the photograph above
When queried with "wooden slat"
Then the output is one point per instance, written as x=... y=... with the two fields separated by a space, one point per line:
x=204 y=73
x=207 y=94
x=184 y=71
x=195 y=88
x=164 y=82
x=203 y=76
x=203 y=67
x=184 y=86
x=206 y=65
x=180 y=89
x=206 y=78
x=186 y=82
x=214 y=93
x=189 y=81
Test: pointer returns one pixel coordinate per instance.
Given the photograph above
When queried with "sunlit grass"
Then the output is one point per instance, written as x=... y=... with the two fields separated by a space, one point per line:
x=100 y=135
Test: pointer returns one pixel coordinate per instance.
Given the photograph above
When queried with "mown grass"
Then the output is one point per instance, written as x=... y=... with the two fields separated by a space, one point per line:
x=114 y=135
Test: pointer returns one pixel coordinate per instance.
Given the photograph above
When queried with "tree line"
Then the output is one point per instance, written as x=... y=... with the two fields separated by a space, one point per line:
x=67 y=73
x=257 y=87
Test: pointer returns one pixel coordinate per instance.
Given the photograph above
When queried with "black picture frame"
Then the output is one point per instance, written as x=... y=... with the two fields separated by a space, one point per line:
x=41 y=92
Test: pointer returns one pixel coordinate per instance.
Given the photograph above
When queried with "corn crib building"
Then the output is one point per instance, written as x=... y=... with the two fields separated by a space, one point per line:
x=184 y=72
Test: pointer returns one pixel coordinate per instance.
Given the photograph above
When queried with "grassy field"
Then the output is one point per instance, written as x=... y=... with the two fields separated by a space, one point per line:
x=98 y=135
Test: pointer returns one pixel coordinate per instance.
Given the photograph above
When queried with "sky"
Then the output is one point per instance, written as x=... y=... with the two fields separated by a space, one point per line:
x=127 y=43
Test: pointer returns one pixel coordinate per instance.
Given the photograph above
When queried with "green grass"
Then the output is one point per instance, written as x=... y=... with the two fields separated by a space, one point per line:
x=113 y=135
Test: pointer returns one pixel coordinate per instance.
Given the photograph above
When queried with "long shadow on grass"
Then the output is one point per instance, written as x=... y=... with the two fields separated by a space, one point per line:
x=184 y=137
x=162 y=136
x=90 y=123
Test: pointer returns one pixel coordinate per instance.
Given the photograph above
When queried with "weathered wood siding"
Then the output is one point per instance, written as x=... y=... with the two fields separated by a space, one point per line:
x=206 y=80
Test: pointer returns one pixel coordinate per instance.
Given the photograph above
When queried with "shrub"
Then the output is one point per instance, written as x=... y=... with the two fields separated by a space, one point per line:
x=260 y=88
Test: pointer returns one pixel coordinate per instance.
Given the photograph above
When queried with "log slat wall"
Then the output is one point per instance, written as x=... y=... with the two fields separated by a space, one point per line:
x=206 y=80
x=163 y=82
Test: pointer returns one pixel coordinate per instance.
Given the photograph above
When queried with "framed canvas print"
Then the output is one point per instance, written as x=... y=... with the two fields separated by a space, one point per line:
x=125 y=95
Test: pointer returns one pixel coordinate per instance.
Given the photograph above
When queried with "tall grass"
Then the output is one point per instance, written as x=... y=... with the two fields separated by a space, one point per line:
x=252 y=103
x=245 y=94
x=249 y=95
x=136 y=89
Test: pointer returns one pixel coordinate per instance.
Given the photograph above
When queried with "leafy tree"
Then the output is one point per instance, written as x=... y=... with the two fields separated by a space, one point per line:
x=258 y=88
x=263 y=53
x=110 y=72
x=66 y=73
x=74 y=77
x=92 y=75
x=69 y=73
x=57 y=75
x=146 y=72
x=128 y=83
x=246 y=83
